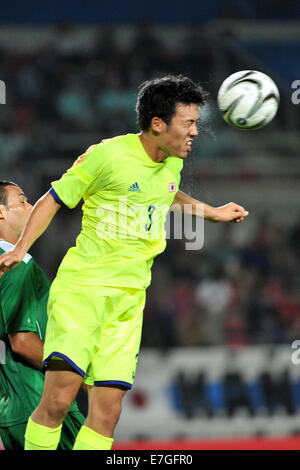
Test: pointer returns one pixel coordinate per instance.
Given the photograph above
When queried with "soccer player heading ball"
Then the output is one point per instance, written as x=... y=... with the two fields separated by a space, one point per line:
x=97 y=299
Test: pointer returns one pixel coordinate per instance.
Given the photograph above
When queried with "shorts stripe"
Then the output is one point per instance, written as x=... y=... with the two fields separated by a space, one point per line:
x=112 y=382
x=67 y=359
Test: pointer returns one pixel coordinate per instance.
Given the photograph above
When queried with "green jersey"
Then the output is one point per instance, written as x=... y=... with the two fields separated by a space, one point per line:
x=126 y=198
x=23 y=306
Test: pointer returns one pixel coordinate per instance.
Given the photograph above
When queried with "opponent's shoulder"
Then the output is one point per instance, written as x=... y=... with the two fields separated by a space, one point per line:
x=5 y=247
x=24 y=268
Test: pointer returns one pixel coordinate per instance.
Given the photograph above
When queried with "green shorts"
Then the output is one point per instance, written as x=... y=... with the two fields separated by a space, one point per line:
x=13 y=436
x=97 y=330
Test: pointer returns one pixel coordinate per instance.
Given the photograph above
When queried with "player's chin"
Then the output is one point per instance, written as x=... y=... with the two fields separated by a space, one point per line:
x=184 y=154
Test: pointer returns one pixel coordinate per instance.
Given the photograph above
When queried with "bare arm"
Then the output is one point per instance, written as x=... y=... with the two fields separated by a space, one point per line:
x=231 y=212
x=28 y=345
x=39 y=218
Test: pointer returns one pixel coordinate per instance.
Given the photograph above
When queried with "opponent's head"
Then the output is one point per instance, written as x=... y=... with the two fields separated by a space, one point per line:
x=14 y=210
x=168 y=108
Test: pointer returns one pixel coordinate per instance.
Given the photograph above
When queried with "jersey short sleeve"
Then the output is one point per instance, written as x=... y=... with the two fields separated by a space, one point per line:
x=19 y=303
x=86 y=175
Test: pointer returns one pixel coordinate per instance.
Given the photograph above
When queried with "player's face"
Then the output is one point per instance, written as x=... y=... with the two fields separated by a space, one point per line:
x=177 y=137
x=17 y=209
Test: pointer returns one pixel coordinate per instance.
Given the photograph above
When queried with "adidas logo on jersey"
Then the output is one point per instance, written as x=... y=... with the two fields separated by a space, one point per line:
x=134 y=187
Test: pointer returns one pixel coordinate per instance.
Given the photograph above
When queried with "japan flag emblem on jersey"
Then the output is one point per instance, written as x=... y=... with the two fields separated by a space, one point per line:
x=172 y=187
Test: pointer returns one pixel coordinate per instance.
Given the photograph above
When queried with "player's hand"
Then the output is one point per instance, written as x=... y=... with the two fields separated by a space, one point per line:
x=231 y=212
x=10 y=260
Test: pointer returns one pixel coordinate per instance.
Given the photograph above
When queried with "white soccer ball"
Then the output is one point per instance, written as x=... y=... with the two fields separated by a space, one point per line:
x=248 y=99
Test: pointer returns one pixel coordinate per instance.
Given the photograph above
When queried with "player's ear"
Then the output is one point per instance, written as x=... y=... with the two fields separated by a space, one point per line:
x=2 y=212
x=157 y=125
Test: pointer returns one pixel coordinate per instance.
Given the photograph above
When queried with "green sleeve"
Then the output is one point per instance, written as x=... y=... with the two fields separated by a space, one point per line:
x=79 y=180
x=19 y=303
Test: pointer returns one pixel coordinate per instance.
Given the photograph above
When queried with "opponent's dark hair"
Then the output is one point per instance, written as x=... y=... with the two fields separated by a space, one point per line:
x=3 y=193
x=158 y=98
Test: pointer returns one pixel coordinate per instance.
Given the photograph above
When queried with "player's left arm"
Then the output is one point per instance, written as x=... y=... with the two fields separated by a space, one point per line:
x=230 y=212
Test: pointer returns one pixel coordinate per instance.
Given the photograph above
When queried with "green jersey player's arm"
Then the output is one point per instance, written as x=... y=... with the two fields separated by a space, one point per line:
x=28 y=345
x=231 y=212
x=21 y=308
x=40 y=217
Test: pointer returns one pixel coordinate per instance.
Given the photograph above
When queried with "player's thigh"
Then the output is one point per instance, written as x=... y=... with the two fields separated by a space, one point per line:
x=61 y=384
x=116 y=358
x=75 y=315
x=105 y=400
x=13 y=436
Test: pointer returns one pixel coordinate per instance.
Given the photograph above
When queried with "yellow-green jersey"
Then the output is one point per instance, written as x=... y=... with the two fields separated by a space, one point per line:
x=126 y=198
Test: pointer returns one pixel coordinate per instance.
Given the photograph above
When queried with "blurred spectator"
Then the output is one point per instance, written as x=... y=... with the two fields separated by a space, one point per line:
x=214 y=296
x=73 y=105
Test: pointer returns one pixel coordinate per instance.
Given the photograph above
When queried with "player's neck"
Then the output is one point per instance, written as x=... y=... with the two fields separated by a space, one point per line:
x=150 y=144
x=9 y=236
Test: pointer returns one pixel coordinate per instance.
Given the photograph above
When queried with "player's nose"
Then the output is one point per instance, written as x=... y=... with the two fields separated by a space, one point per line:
x=194 y=130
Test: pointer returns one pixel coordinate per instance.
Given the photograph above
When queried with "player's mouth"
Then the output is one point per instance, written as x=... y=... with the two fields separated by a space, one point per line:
x=189 y=145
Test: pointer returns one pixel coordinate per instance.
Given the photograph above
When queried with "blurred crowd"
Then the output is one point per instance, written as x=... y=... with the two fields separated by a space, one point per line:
x=60 y=98
x=65 y=89
x=69 y=91
x=230 y=292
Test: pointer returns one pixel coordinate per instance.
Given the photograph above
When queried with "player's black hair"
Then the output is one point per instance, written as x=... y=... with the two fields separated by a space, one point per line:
x=3 y=193
x=158 y=98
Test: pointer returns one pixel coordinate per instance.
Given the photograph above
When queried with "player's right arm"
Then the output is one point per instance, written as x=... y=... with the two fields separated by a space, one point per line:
x=69 y=190
x=28 y=345
x=39 y=218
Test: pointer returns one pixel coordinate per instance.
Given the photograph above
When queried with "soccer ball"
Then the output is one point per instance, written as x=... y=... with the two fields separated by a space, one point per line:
x=248 y=99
